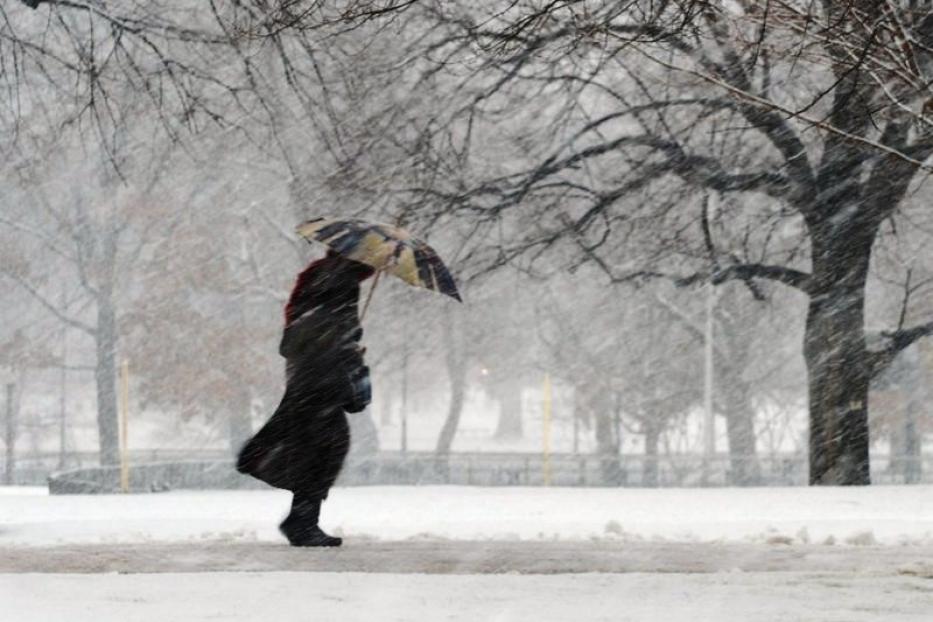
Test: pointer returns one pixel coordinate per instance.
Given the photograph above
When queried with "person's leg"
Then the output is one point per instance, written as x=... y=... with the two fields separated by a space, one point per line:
x=301 y=527
x=325 y=445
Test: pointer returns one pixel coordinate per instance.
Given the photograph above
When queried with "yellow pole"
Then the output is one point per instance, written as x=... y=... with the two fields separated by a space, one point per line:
x=546 y=407
x=124 y=408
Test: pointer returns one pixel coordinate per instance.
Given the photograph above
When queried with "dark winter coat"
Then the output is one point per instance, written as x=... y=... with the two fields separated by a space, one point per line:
x=303 y=445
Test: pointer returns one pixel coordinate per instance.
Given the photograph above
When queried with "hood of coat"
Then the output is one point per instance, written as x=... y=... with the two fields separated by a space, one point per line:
x=332 y=282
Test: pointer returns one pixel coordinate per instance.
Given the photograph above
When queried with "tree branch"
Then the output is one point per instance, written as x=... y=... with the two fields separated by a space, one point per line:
x=787 y=276
x=755 y=100
x=51 y=308
x=896 y=341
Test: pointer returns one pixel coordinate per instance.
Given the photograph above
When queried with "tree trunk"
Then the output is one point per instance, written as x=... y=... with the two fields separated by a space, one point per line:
x=836 y=359
x=456 y=371
x=446 y=438
x=239 y=422
x=385 y=410
x=649 y=476
x=364 y=435
x=913 y=455
x=740 y=428
x=9 y=436
x=106 y=376
x=63 y=390
x=910 y=450
x=607 y=442
x=510 y=413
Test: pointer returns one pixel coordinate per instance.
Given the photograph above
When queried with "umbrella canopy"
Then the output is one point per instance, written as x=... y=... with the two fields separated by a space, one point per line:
x=385 y=248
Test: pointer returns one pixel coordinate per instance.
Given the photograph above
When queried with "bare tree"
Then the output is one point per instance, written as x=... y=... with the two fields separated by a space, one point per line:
x=93 y=234
x=822 y=111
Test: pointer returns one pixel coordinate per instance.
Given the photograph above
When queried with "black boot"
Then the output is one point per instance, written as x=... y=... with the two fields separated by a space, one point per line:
x=300 y=526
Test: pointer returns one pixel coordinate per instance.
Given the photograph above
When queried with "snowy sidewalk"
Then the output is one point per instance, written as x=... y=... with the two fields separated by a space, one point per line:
x=352 y=597
x=842 y=516
x=460 y=553
x=465 y=557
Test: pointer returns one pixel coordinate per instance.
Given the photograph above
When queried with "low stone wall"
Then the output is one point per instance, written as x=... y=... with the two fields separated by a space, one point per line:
x=411 y=468
x=152 y=477
x=393 y=469
x=152 y=473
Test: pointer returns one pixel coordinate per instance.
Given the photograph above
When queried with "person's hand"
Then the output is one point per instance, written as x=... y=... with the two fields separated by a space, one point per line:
x=360 y=390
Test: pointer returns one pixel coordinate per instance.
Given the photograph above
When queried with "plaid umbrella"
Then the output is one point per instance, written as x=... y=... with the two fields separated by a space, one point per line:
x=385 y=248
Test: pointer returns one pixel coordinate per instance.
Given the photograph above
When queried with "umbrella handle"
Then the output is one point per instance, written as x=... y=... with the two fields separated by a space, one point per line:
x=369 y=297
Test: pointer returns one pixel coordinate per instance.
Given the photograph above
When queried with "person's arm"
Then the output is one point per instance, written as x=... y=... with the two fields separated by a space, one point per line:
x=313 y=329
x=361 y=391
x=355 y=375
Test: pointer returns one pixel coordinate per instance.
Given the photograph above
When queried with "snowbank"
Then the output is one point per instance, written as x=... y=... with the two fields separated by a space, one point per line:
x=845 y=516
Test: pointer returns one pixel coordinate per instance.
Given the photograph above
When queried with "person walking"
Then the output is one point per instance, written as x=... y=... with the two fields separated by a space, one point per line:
x=303 y=445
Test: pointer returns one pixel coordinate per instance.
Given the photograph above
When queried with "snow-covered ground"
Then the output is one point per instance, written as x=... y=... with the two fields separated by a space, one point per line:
x=350 y=597
x=463 y=553
x=844 y=516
